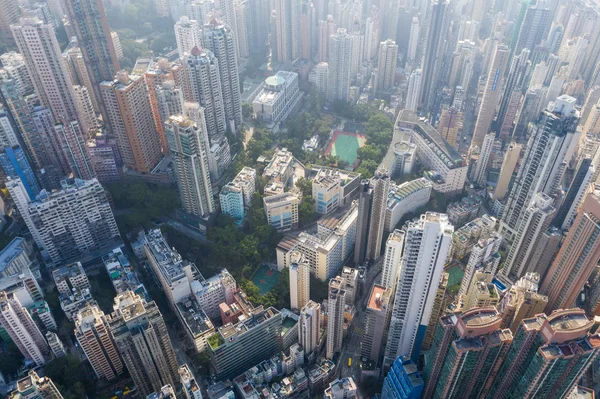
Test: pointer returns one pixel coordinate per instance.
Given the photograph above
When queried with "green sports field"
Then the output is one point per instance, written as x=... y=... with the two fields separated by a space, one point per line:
x=346 y=146
x=265 y=279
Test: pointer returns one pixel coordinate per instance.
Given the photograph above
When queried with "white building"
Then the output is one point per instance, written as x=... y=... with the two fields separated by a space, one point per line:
x=404 y=198
x=392 y=259
x=299 y=271
x=14 y=64
x=484 y=257
x=333 y=188
x=282 y=210
x=190 y=387
x=414 y=87
x=212 y=292
x=481 y=167
x=278 y=98
x=309 y=322
x=336 y=302
x=338 y=77
x=117 y=44
x=426 y=246
x=322 y=71
x=68 y=223
x=188 y=34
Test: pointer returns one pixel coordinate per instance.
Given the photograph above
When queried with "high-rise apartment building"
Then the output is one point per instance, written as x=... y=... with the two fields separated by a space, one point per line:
x=37 y=42
x=15 y=165
x=299 y=271
x=484 y=257
x=534 y=27
x=480 y=171
x=522 y=301
x=491 y=95
x=548 y=356
x=413 y=40
x=535 y=221
x=287 y=30
x=516 y=86
x=466 y=353
x=438 y=308
x=188 y=34
x=78 y=70
x=511 y=157
x=70 y=223
x=543 y=163
x=392 y=259
x=10 y=15
x=204 y=87
x=188 y=145
x=365 y=199
x=386 y=65
x=87 y=19
x=451 y=123
x=380 y=184
x=22 y=330
x=577 y=257
x=220 y=40
x=338 y=76
x=336 y=302
x=578 y=189
x=412 y=94
x=130 y=115
x=93 y=334
x=426 y=246
x=35 y=387
x=141 y=336
x=74 y=152
x=309 y=330
x=378 y=310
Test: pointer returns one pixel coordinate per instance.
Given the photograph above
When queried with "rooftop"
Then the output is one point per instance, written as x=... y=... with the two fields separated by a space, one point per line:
x=122 y=275
x=11 y=251
x=195 y=318
x=402 y=191
x=379 y=296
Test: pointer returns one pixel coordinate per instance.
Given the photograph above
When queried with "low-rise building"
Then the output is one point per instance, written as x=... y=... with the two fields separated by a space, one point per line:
x=70 y=277
x=468 y=235
x=333 y=188
x=166 y=392
x=197 y=325
x=343 y=388
x=281 y=166
x=210 y=293
x=122 y=275
x=320 y=374
x=463 y=211
x=282 y=210
x=405 y=198
x=231 y=198
x=57 y=347
x=189 y=385
x=279 y=96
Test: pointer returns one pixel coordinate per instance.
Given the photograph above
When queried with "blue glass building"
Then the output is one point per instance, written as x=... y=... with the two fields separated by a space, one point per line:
x=15 y=164
x=403 y=381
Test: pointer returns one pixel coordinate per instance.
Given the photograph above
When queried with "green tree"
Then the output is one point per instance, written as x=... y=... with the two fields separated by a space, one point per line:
x=369 y=152
x=306 y=212
x=246 y=110
x=11 y=360
x=367 y=168
x=305 y=186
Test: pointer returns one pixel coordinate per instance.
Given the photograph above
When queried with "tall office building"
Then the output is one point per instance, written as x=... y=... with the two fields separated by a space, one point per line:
x=516 y=86
x=15 y=165
x=336 y=302
x=130 y=115
x=577 y=257
x=403 y=381
x=299 y=271
x=480 y=171
x=491 y=95
x=426 y=246
x=188 y=34
x=548 y=356
x=413 y=40
x=535 y=221
x=534 y=28
x=522 y=301
x=70 y=223
x=435 y=48
x=579 y=187
x=380 y=184
x=287 y=30
x=338 y=77
x=140 y=333
x=189 y=151
x=204 y=87
x=35 y=387
x=451 y=123
x=412 y=95
x=377 y=316
x=365 y=199
x=392 y=259
x=386 y=65
x=219 y=39
x=22 y=330
x=87 y=19
x=309 y=330
x=543 y=163
x=37 y=42
x=93 y=335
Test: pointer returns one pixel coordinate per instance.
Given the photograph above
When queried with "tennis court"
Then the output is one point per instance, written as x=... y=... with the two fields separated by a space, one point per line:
x=265 y=279
x=345 y=145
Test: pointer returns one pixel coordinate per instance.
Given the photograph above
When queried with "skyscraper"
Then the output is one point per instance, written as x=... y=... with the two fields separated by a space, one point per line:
x=392 y=259
x=381 y=186
x=338 y=77
x=579 y=187
x=37 y=42
x=15 y=165
x=69 y=223
x=516 y=86
x=22 y=330
x=130 y=114
x=9 y=16
x=87 y=19
x=287 y=30
x=511 y=157
x=534 y=222
x=414 y=87
x=426 y=245
x=542 y=164
x=534 y=28
x=188 y=34
x=336 y=302
x=480 y=172
x=75 y=153
x=140 y=333
x=299 y=271
x=204 y=87
x=377 y=316
x=491 y=95
x=403 y=381
x=309 y=331
x=413 y=40
x=189 y=149
x=439 y=19
x=451 y=122
x=577 y=257
x=93 y=335
x=548 y=356
x=386 y=65
x=365 y=199
x=219 y=39
x=467 y=350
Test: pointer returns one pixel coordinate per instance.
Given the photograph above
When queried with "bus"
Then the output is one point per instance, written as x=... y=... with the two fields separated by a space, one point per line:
x=349 y=361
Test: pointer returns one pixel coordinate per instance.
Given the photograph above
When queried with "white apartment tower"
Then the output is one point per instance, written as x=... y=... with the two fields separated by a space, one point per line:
x=190 y=154
x=287 y=30
x=412 y=95
x=338 y=77
x=386 y=65
x=392 y=259
x=426 y=246
x=299 y=271
x=219 y=39
x=484 y=257
x=335 y=316
x=188 y=34
x=413 y=40
x=22 y=329
x=309 y=326
x=481 y=167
